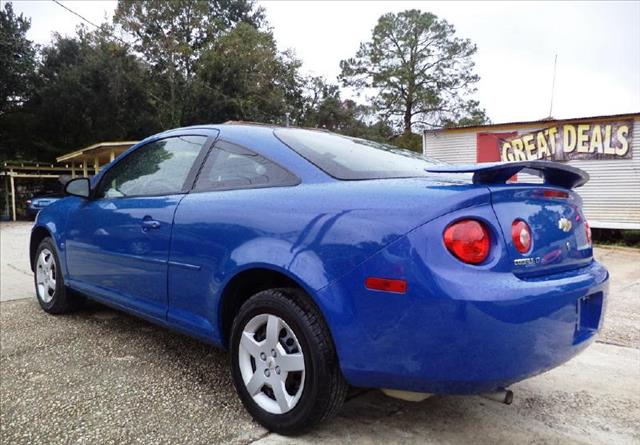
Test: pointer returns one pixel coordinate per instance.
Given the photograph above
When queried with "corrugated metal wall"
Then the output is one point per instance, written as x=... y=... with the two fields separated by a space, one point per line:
x=611 y=197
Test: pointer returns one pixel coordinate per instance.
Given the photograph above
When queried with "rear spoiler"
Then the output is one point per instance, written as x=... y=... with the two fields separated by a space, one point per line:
x=553 y=173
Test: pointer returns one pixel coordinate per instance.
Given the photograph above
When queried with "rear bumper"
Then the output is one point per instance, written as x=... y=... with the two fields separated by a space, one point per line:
x=465 y=335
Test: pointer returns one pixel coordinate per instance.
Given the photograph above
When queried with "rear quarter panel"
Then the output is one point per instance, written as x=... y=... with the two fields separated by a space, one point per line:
x=459 y=328
x=314 y=233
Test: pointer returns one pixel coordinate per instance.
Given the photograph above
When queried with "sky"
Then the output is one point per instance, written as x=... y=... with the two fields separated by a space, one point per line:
x=597 y=44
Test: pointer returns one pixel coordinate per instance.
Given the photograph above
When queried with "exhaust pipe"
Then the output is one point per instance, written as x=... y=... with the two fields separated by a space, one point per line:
x=501 y=395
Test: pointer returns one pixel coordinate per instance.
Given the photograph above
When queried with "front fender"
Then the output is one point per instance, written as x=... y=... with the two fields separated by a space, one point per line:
x=51 y=222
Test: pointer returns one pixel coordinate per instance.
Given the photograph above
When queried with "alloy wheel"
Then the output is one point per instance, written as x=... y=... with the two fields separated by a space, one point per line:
x=46 y=276
x=271 y=362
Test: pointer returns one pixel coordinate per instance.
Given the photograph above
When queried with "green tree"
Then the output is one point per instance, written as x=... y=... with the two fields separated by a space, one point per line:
x=17 y=59
x=422 y=74
x=325 y=108
x=172 y=36
x=243 y=76
x=473 y=115
x=91 y=88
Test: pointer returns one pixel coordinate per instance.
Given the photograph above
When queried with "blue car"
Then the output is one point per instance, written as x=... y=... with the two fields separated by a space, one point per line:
x=322 y=262
x=37 y=203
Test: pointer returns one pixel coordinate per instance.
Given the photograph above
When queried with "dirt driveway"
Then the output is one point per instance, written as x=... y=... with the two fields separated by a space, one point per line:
x=100 y=376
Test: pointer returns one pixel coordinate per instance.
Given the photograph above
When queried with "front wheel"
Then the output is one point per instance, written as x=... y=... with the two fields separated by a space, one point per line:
x=283 y=361
x=51 y=292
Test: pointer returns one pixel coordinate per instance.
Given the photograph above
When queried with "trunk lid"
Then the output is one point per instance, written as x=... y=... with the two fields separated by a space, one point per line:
x=558 y=227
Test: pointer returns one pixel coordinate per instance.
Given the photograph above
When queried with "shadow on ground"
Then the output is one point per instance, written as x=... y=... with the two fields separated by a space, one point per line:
x=101 y=376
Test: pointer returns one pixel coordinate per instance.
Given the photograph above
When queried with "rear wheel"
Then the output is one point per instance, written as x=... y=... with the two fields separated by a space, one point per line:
x=50 y=289
x=284 y=365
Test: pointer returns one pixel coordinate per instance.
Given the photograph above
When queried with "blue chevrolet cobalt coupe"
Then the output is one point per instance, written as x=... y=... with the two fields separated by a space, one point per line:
x=321 y=261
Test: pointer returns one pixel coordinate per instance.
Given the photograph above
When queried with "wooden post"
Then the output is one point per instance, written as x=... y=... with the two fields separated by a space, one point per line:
x=85 y=173
x=13 y=195
x=112 y=155
x=7 y=199
x=96 y=165
x=73 y=169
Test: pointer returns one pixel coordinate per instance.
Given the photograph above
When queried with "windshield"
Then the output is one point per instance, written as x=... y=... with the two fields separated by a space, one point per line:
x=350 y=158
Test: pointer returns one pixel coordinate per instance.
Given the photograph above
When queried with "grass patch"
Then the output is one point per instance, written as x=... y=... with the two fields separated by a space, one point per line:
x=616 y=237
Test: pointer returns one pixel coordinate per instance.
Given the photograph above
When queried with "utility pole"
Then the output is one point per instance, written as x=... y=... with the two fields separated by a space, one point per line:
x=553 y=85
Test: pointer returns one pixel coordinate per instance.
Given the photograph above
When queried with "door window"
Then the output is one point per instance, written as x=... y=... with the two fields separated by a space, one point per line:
x=233 y=167
x=159 y=168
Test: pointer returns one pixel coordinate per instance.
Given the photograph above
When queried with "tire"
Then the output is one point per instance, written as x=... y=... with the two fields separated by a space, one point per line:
x=51 y=292
x=313 y=394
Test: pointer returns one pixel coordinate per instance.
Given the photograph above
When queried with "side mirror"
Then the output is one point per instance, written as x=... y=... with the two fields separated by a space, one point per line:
x=78 y=187
x=64 y=179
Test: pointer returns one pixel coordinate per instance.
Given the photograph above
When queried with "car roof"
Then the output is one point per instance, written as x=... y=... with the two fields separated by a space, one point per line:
x=256 y=136
x=241 y=126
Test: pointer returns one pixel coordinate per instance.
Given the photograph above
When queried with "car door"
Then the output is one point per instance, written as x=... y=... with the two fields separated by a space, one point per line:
x=118 y=241
x=209 y=225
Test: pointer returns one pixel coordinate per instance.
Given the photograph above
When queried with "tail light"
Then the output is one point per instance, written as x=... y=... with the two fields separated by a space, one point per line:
x=521 y=235
x=555 y=194
x=587 y=229
x=468 y=240
x=550 y=194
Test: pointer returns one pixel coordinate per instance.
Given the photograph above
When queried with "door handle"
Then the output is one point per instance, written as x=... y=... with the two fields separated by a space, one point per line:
x=148 y=224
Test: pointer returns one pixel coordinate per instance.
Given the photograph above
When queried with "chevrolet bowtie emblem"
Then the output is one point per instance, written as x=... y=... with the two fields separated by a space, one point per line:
x=564 y=224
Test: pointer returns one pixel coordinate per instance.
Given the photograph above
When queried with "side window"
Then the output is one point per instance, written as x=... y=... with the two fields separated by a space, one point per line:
x=158 y=168
x=230 y=166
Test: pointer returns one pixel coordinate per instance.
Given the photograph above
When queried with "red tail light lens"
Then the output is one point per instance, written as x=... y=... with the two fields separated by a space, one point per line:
x=587 y=229
x=386 y=285
x=521 y=235
x=468 y=240
x=555 y=194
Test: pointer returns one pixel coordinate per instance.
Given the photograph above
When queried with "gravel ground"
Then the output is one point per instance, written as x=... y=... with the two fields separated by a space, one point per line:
x=622 y=321
x=101 y=376
x=16 y=280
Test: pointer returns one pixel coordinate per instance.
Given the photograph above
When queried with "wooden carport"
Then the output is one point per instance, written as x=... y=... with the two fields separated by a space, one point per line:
x=87 y=160
x=14 y=170
x=94 y=156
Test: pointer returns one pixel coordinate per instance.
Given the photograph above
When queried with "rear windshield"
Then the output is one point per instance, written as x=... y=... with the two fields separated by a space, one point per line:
x=350 y=158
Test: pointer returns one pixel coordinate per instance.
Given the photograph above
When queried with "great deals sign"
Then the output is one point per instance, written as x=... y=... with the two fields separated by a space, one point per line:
x=602 y=140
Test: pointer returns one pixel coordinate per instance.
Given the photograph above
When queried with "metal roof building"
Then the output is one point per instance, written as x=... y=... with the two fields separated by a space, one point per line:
x=607 y=147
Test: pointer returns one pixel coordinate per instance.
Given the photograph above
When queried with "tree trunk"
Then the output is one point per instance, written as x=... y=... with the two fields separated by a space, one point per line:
x=407 y=118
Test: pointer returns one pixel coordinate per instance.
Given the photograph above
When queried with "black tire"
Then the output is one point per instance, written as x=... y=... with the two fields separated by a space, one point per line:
x=324 y=389
x=62 y=300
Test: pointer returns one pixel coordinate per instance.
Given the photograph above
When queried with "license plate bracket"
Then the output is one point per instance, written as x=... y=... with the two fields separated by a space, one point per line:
x=589 y=316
